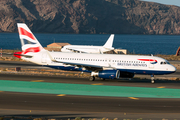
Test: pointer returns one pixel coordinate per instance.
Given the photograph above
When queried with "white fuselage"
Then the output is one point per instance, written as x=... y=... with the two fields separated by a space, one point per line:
x=128 y=63
x=90 y=49
x=85 y=49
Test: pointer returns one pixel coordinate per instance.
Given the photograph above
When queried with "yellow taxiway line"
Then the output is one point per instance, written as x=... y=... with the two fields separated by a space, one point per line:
x=97 y=84
x=37 y=80
x=61 y=95
x=161 y=87
x=133 y=98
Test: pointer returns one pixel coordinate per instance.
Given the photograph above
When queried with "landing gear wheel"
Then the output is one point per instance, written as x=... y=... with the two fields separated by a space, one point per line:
x=152 y=79
x=91 y=78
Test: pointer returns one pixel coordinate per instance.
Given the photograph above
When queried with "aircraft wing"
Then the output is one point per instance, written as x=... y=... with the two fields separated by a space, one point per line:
x=87 y=66
x=89 y=50
x=79 y=50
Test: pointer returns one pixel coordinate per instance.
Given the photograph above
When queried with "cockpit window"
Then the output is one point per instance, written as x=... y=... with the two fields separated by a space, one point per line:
x=164 y=62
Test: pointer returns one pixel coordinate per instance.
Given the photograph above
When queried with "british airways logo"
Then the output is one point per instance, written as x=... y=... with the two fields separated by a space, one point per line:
x=152 y=61
x=139 y=63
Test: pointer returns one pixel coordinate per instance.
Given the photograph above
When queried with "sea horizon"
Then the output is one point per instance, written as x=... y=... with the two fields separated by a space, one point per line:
x=137 y=44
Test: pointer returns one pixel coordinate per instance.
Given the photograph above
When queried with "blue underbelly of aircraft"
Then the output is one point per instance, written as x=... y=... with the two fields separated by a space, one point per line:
x=146 y=72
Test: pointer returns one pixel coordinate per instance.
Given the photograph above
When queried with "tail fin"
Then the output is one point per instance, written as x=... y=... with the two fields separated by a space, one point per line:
x=28 y=41
x=27 y=37
x=109 y=42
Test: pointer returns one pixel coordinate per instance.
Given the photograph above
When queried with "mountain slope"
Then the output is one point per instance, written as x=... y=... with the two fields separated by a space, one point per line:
x=90 y=16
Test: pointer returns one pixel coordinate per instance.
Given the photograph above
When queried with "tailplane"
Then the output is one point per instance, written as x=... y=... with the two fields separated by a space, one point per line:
x=29 y=42
x=109 y=42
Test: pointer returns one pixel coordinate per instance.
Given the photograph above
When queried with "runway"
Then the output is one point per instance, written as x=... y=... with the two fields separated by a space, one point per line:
x=71 y=106
x=85 y=106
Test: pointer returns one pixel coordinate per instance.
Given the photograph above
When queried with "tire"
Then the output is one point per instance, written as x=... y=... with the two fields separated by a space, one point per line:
x=152 y=81
x=91 y=78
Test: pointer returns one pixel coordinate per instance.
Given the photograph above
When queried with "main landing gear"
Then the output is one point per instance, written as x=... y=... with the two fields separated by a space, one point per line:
x=91 y=78
x=152 y=79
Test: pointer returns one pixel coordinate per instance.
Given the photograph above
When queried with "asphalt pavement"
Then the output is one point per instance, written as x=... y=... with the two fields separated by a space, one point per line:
x=63 y=106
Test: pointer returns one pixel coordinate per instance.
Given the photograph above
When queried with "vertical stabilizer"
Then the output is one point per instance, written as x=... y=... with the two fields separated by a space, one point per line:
x=28 y=40
x=30 y=44
x=109 y=42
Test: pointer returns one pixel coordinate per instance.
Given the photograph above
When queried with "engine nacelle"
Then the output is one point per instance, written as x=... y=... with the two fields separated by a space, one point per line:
x=107 y=74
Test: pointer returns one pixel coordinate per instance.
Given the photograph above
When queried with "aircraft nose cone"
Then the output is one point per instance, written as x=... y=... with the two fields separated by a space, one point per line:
x=173 y=69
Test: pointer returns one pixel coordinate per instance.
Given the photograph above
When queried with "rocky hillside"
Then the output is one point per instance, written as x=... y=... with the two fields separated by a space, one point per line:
x=90 y=16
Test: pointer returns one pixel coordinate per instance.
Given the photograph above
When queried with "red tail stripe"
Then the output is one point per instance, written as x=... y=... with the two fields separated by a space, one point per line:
x=32 y=49
x=147 y=60
x=25 y=32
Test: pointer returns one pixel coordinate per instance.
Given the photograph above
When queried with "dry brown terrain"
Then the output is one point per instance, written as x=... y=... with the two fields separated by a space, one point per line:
x=90 y=16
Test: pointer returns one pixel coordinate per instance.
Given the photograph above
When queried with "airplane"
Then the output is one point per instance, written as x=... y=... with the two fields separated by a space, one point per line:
x=90 y=49
x=104 y=66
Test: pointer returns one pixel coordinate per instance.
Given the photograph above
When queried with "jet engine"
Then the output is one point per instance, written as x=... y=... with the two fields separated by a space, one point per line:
x=107 y=74
x=110 y=74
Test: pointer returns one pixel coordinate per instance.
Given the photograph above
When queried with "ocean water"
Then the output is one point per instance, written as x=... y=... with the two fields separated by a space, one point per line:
x=137 y=44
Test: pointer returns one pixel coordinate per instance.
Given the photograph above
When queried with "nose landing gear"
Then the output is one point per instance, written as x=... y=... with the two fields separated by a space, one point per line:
x=152 y=78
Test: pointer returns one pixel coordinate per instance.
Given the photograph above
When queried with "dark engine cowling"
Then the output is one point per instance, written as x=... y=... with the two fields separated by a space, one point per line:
x=109 y=74
x=126 y=75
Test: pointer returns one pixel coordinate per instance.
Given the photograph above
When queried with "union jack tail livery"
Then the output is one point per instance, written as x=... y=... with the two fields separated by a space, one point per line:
x=30 y=44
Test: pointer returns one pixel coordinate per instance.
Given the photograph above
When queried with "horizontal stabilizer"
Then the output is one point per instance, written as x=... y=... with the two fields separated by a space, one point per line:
x=19 y=55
